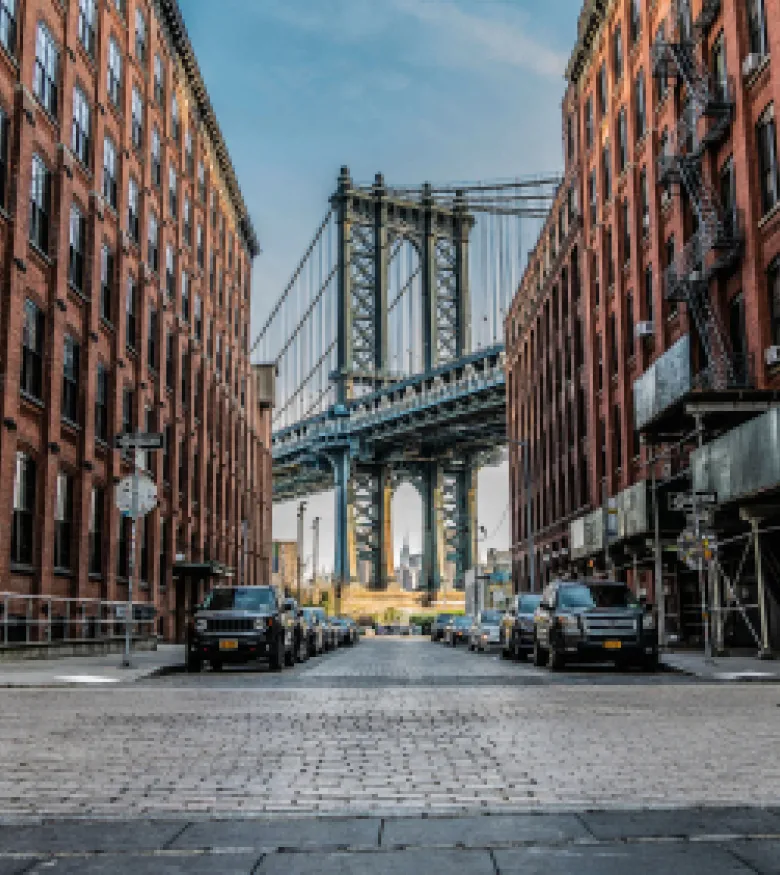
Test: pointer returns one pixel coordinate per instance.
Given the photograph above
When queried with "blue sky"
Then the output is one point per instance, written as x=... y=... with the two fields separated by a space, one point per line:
x=438 y=90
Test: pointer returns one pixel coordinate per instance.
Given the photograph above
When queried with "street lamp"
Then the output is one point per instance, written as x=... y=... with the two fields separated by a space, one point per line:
x=528 y=508
x=301 y=511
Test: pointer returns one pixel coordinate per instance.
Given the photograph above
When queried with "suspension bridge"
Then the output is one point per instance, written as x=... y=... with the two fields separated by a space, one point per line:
x=388 y=344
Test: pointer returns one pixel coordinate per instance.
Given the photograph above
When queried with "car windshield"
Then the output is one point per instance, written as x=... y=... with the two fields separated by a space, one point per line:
x=491 y=618
x=597 y=596
x=462 y=622
x=240 y=599
x=314 y=613
x=443 y=619
x=529 y=603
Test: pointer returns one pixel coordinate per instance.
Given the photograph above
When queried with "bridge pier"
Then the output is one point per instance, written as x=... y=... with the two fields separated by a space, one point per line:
x=371 y=530
x=466 y=548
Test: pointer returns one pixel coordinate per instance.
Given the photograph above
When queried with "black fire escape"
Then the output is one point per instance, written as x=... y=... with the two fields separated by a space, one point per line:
x=715 y=245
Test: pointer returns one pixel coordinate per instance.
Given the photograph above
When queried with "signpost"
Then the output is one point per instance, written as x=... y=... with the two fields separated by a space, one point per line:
x=136 y=496
x=687 y=502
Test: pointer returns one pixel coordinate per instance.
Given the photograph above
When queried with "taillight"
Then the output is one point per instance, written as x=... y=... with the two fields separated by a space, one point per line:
x=270 y=622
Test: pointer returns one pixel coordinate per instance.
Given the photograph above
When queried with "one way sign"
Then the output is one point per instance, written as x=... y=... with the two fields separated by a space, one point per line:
x=139 y=441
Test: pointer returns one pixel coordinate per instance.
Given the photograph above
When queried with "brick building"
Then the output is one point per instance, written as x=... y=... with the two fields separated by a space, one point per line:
x=651 y=304
x=126 y=254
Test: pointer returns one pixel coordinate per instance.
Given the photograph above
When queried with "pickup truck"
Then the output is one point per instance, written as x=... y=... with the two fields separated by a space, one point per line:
x=238 y=625
x=593 y=620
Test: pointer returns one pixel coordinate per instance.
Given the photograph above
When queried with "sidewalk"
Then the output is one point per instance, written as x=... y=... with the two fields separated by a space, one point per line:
x=723 y=668
x=95 y=670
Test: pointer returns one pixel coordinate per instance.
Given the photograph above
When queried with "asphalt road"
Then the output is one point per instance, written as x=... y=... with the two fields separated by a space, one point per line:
x=397 y=756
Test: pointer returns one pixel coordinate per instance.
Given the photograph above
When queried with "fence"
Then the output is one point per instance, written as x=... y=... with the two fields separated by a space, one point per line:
x=44 y=619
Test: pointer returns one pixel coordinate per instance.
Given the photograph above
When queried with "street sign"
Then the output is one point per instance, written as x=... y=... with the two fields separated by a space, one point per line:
x=136 y=496
x=686 y=501
x=138 y=441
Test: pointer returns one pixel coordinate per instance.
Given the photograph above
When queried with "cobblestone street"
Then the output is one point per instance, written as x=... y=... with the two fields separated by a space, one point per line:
x=390 y=727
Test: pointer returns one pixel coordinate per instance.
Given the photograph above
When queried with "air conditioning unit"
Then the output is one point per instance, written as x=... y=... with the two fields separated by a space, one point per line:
x=646 y=222
x=645 y=329
x=751 y=64
x=772 y=356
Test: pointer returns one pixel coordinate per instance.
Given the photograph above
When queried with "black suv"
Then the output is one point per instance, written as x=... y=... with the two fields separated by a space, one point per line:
x=237 y=625
x=593 y=621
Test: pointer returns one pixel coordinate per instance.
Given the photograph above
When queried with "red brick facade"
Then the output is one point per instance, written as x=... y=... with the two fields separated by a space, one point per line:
x=186 y=362
x=571 y=397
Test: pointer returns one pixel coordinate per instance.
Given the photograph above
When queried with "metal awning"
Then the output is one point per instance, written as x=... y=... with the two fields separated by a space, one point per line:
x=201 y=570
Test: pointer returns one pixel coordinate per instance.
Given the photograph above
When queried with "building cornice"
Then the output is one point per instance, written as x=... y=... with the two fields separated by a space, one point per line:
x=591 y=18
x=174 y=22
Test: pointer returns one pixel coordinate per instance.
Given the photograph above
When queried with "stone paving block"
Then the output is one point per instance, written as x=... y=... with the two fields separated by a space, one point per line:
x=15 y=867
x=417 y=862
x=482 y=832
x=636 y=859
x=133 y=864
x=610 y=825
x=76 y=837
x=763 y=856
x=305 y=834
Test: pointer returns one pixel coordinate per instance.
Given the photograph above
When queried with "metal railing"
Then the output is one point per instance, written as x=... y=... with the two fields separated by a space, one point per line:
x=44 y=619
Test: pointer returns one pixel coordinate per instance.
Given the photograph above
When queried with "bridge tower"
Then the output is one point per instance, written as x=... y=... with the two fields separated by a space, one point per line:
x=370 y=223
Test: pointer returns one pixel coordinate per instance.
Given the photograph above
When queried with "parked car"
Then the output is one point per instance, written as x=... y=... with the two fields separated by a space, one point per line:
x=316 y=630
x=300 y=631
x=517 y=628
x=329 y=631
x=237 y=625
x=439 y=625
x=346 y=630
x=486 y=630
x=593 y=621
x=458 y=630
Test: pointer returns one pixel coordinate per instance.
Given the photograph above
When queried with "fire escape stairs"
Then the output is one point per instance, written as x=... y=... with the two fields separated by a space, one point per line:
x=716 y=243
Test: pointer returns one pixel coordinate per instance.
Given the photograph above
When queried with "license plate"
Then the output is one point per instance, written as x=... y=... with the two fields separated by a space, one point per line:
x=612 y=645
x=228 y=644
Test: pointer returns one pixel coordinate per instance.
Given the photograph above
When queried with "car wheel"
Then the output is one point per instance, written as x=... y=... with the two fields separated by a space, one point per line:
x=521 y=655
x=277 y=657
x=540 y=655
x=194 y=663
x=289 y=657
x=651 y=663
x=557 y=658
x=216 y=665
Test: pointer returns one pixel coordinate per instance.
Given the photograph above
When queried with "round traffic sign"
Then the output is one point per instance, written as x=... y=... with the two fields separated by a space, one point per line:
x=136 y=496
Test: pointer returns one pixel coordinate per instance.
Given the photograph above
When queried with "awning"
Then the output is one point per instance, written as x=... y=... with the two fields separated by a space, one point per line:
x=201 y=570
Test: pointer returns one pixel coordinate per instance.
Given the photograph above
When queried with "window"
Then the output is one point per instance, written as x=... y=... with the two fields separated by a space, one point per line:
x=109 y=172
x=669 y=253
x=128 y=407
x=201 y=253
x=8 y=25
x=213 y=272
x=97 y=502
x=718 y=68
x=643 y=200
x=170 y=271
x=185 y=383
x=140 y=35
x=589 y=122
x=773 y=286
x=609 y=258
x=201 y=182
x=133 y=220
x=22 y=535
x=114 y=72
x=86 y=25
x=156 y=160
x=622 y=131
x=737 y=331
x=639 y=104
x=613 y=345
x=635 y=20
x=40 y=204
x=187 y=216
x=77 y=251
x=630 y=330
x=101 y=403
x=153 y=241
x=649 y=303
x=594 y=210
x=33 y=334
x=159 y=87
x=570 y=139
x=662 y=84
x=4 y=143
x=169 y=357
x=173 y=192
x=606 y=173
x=151 y=345
x=167 y=445
x=617 y=53
x=123 y=549
x=189 y=153
x=213 y=207
x=625 y=221
x=757 y=27
x=767 y=159
x=130 y=314
x=617 y=435
x=175 y=121
x=728 y=196
x=46 y=71
x=63 y=522
x=70 y=380
x=106 y=283
x=185 y=296
x=137 y=112
x=198 y=318
x=602 y=90
x=601 y=363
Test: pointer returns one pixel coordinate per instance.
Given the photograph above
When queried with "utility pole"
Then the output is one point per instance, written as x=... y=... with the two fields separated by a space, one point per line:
x=301 y=511
x=316 y=552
